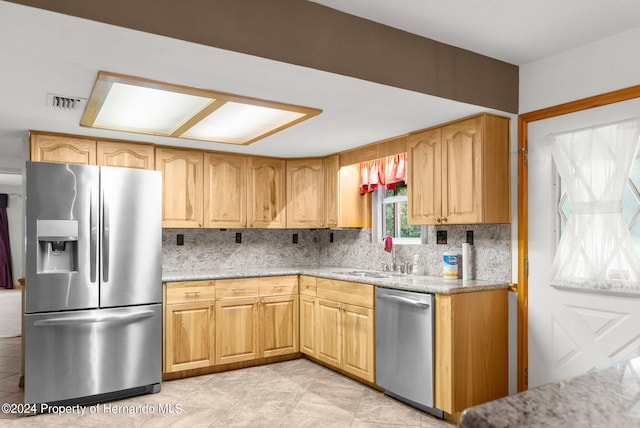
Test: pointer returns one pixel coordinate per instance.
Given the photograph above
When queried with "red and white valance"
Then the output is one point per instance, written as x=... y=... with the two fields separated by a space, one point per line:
x=383 y=172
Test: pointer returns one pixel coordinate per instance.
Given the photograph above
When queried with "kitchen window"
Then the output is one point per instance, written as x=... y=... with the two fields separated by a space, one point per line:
x=389 y=216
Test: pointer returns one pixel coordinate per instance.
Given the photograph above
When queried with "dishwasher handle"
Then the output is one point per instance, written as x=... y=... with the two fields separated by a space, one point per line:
x=407 y=300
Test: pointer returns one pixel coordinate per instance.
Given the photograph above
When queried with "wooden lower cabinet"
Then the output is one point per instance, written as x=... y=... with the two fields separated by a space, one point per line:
x=264 y=324
x=358 y=344
x=345 y=332
x=471 y=349
x=237 y=330
x=345 y=337
x=279 y=320
x=188 y=326
x=308 y=325
x=329 y=327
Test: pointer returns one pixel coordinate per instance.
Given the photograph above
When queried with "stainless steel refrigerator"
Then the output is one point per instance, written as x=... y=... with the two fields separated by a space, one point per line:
x=93 y=294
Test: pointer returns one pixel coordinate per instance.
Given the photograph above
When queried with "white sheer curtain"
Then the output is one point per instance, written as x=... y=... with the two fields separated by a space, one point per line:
x=595 y=250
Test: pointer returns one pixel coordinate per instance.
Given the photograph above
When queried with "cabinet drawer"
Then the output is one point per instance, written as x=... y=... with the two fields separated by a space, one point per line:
x=189 y=292
x=308 y=285
x=278 y=285
x=353 y=293
x=237 y=288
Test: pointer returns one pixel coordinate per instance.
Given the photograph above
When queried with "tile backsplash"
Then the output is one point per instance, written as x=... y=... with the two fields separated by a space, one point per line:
x=216 y=248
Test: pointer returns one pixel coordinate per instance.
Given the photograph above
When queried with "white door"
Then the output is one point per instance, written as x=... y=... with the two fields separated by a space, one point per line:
x=570 y=332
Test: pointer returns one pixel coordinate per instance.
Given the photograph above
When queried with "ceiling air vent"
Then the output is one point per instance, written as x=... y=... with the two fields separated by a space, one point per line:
x=64 y=102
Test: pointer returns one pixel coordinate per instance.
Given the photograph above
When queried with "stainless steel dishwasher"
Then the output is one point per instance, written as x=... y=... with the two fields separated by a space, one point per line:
x=404 y=346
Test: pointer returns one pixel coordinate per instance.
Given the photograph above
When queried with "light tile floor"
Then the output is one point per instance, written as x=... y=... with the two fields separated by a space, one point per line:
x=296 y=393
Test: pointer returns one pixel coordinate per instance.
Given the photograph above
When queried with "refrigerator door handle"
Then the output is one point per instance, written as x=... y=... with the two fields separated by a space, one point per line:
x=83 y=319
x=105 y=237
x=93 y=235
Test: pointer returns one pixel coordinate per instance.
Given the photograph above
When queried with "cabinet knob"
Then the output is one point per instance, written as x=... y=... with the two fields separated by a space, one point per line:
x=444 y=219
x=438 y=220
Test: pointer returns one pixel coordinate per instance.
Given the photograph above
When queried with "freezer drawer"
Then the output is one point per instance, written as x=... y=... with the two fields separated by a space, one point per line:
x=74 y=355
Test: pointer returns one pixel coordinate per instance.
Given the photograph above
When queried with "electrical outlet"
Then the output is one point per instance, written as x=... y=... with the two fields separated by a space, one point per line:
x=180 y=239
x=441 y=237
x=238 y=237
x=295 y=238
x=330 y=236
x=470 y=237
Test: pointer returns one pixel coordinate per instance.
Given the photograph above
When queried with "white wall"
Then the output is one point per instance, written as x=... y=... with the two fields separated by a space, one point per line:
x=606 y=65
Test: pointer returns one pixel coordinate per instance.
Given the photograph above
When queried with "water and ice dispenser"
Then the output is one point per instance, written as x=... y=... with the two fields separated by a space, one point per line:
x=57 y=246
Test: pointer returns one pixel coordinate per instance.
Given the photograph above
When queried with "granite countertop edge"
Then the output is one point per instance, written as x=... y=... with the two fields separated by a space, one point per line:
x=416 y=283
x=604 y=397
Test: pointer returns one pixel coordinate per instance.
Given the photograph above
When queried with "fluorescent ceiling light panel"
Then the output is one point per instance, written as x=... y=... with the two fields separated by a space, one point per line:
x=134 y=104
x=142 y=109
x=235 y=122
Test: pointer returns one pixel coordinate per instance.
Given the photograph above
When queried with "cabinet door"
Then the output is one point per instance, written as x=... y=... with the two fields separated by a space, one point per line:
x=225 y=187
x=424 y=175
x=126 y=155
x=308 y=325
x=189 y=336
x=329 y=333
x=471 y=349
x=462 y=172
x=331 y=190
x=62 y=149
x=354 y=209
x=279 y=322
x=305 y=193
x=182 y=186
x=358 y=341
x=237 y=330
x=266 y=193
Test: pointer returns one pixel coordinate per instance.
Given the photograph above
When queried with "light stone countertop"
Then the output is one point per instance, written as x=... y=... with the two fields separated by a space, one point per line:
x=608 y=397
x=417 y=283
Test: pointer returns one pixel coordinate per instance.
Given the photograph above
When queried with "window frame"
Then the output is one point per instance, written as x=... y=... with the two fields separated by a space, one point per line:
x=378 y=202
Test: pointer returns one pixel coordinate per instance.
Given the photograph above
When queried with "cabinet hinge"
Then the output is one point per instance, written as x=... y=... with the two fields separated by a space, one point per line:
x=526 y=156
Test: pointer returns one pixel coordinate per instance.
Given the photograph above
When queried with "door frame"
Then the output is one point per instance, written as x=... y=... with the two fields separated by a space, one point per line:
x=523 y=206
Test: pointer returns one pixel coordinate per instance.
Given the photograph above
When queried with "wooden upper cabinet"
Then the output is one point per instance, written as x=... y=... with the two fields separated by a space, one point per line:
x=266 y=193
x=182 y=186
x=424 y=177
x=62 y=149
x=126 y=155
x=305 y=193
x=460 y=173
x=354 y=209
x=225 y=190
x=88 y=151
x=332 y=190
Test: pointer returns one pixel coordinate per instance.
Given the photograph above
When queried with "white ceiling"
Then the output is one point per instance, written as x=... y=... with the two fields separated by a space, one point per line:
x=44 y=52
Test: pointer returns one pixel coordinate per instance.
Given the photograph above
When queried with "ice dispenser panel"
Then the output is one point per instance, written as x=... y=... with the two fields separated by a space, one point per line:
x=57 y=246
